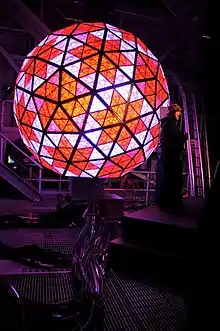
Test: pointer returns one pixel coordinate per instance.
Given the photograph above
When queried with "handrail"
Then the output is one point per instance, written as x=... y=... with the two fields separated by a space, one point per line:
x=20 y=150
x=49 y=180
x=149 y=172
x=23 y=165
x=143 y=172
x=24 y=181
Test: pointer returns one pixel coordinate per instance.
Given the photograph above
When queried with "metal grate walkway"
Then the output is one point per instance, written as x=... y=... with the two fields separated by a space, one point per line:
x=130 y=304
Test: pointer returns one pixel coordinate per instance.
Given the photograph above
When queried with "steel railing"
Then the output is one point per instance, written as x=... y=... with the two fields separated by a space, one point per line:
x=33 y=162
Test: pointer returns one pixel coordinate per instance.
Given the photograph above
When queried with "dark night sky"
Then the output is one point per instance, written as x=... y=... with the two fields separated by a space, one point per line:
x=207 y=71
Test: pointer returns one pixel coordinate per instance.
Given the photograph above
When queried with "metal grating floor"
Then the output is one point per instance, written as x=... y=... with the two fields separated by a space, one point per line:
x=138 y=306
x=60 y=240
x=130 y=304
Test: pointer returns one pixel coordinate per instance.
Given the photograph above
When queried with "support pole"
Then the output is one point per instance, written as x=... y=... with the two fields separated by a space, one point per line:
x=28 y=20
x=189 y=149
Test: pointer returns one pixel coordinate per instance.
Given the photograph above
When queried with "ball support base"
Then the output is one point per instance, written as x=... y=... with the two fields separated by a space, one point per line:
x=92 y=190
x=87 y=188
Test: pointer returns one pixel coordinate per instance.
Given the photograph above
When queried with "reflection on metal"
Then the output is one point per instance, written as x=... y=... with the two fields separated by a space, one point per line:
x=90 y=254
x=189 y=149
x=14 y=295
x=217 y=170
x=28 y=20
x=205 y=146
x=198 y=166
x=9 y=59
x=168 y=7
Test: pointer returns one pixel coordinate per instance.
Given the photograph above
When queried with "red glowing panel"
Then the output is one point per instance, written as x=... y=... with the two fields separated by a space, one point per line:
x=88 y=99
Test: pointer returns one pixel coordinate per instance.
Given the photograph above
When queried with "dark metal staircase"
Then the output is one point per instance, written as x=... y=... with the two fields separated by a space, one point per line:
x=21 y=185
x=16 y=181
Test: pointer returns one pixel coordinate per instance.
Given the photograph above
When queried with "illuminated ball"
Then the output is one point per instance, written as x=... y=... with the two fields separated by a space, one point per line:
x=88 y=99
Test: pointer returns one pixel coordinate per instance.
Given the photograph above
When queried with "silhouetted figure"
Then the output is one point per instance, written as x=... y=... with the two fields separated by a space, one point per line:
x=65 y=208
x=61 y=203
x=169 y=163
x=68 y=198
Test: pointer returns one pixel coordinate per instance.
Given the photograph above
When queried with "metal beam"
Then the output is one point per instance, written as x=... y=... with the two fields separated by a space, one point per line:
x=67 y=18
x=7 y=56
x=169 y=50
x=7 y=28
x=167 y=6
x=17 y=57
x=176 y=24
x=179 y=21
x=157 y=20
x=28 y=20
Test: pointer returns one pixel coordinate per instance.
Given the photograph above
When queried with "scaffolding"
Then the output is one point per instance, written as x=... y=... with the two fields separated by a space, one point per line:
x=196 y=158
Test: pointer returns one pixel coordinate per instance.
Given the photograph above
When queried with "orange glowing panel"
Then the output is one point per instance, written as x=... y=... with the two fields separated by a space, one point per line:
x=87 y=100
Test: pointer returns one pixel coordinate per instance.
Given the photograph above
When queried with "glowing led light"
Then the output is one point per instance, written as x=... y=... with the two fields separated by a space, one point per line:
x=88 y=99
